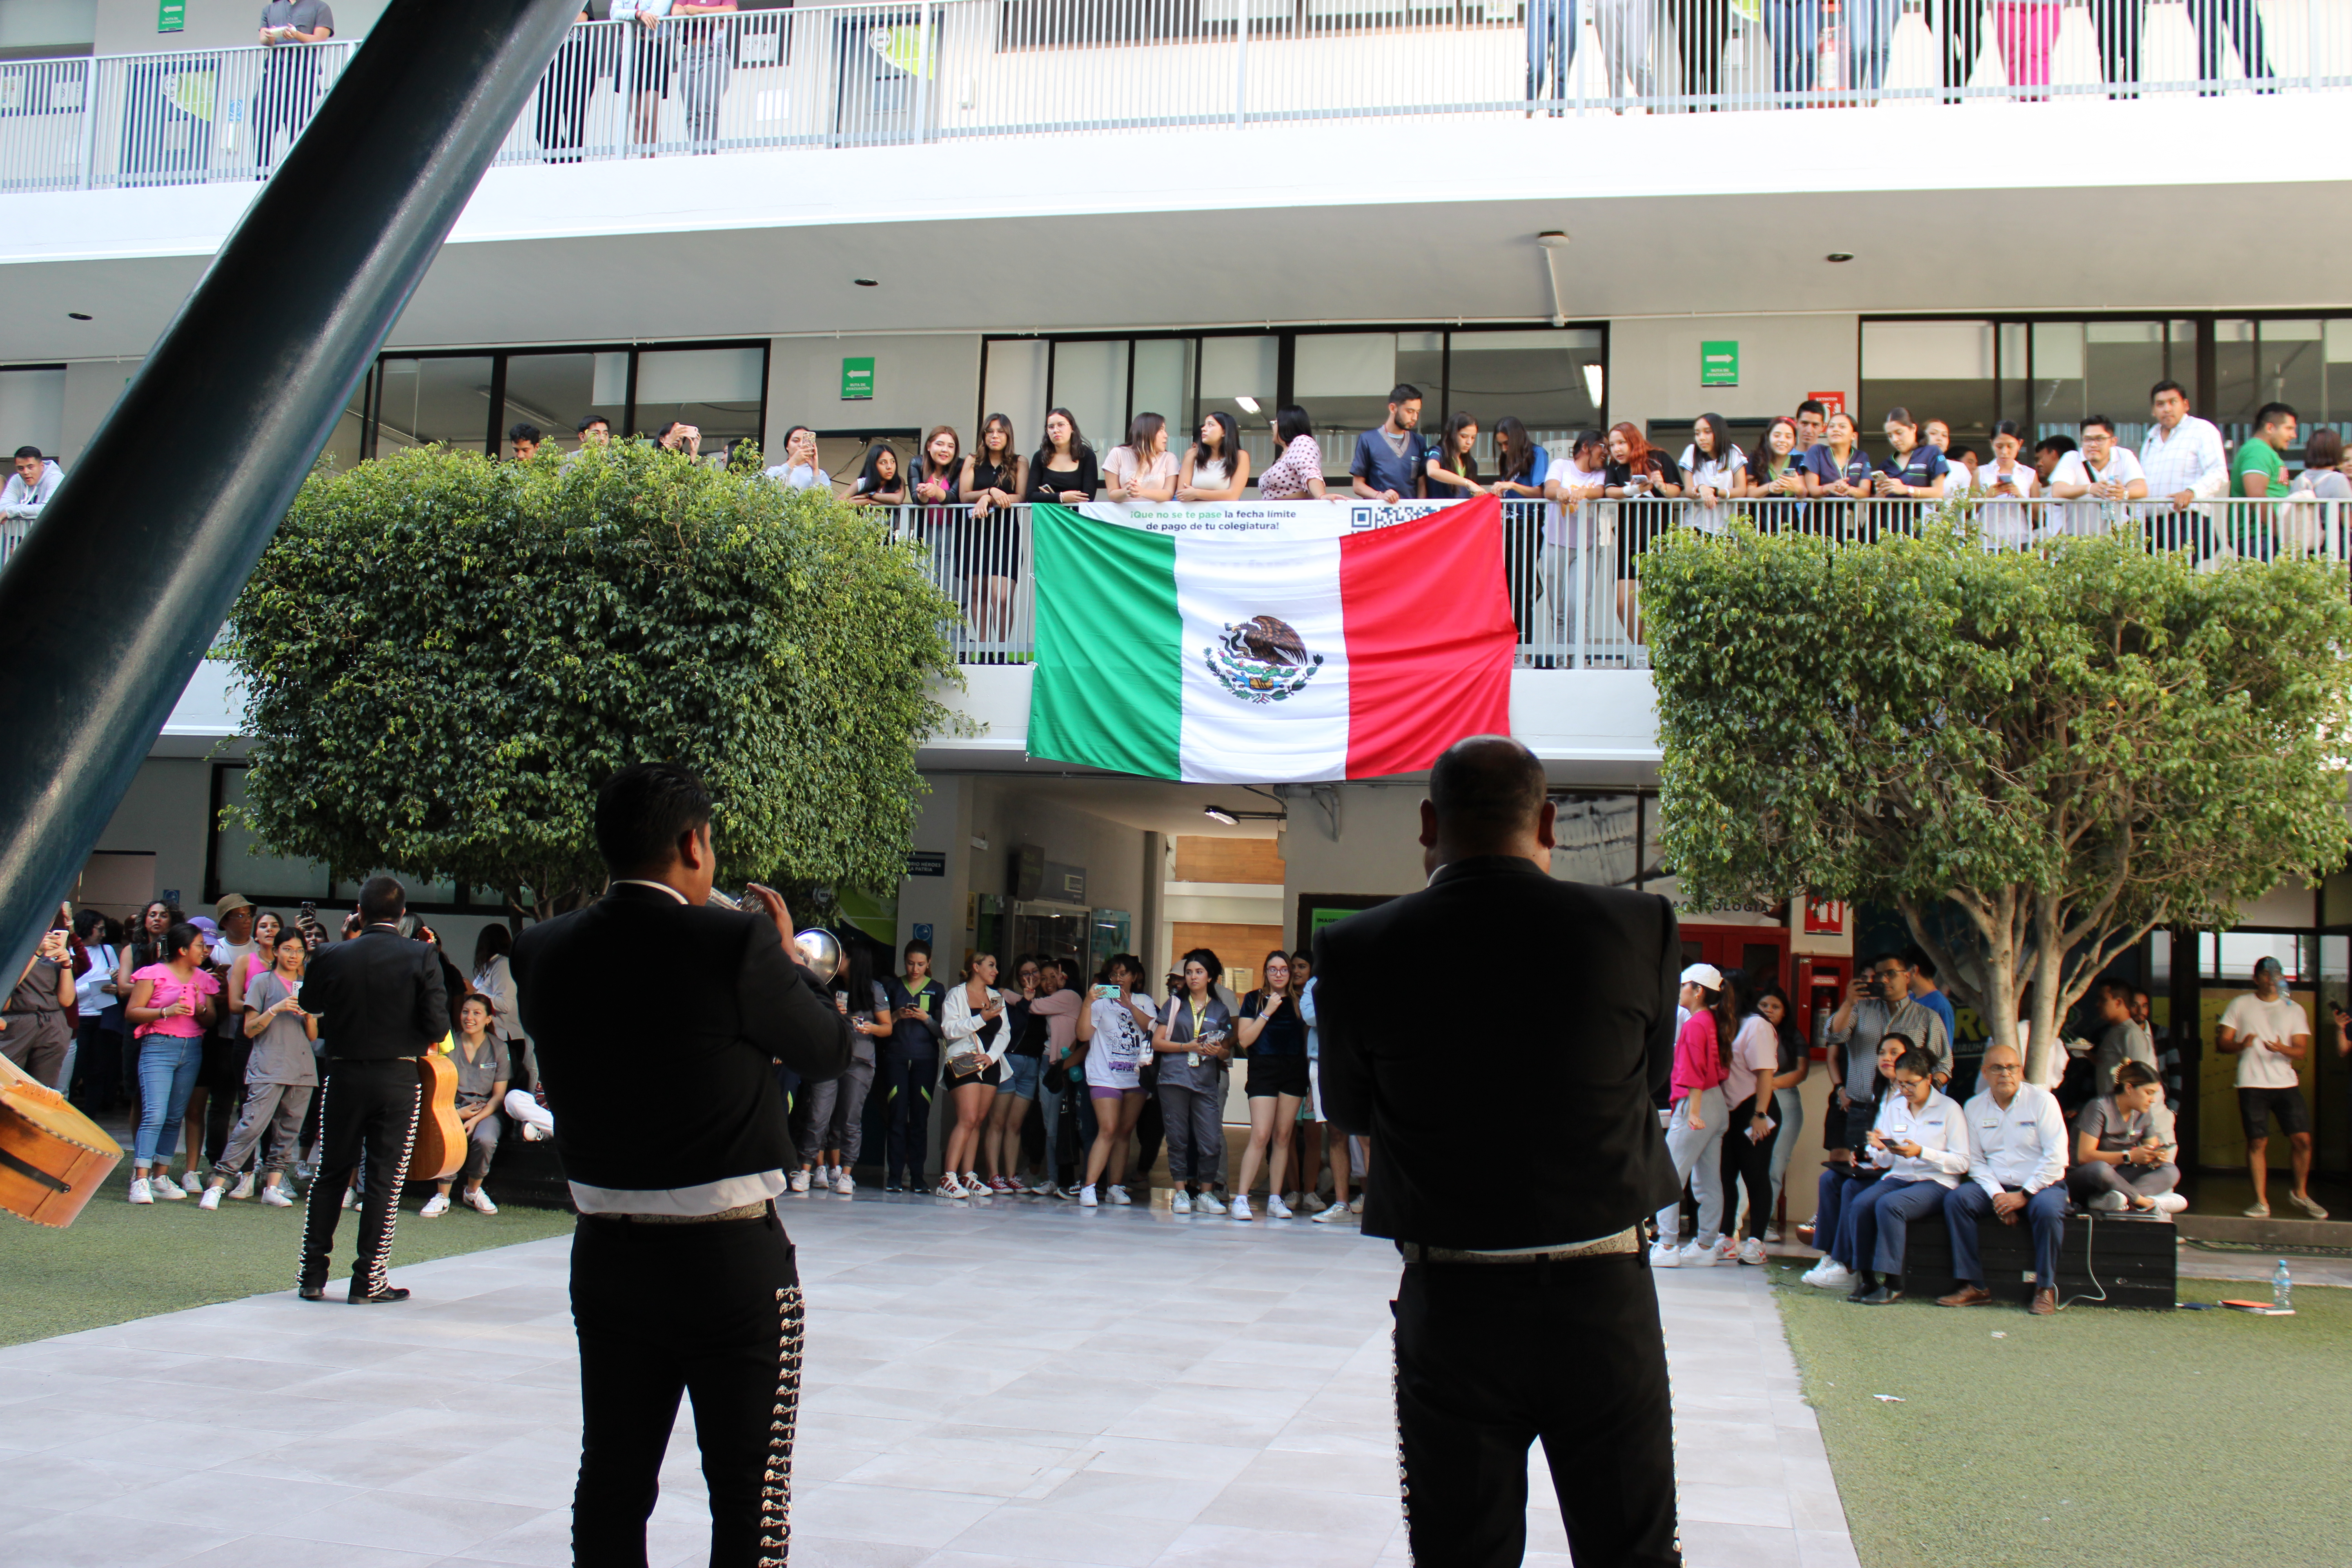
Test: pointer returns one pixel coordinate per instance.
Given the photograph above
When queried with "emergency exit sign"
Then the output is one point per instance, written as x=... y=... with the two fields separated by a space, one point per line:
x=171 y=16
x=856 y=379
x=1719 y=363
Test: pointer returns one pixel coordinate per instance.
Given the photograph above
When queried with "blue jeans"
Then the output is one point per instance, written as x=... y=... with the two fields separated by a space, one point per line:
x=1881 y=1213
x=1870 y=25
x=167 y=1075
x=1833 y=1214
x=2045 y=1211
x=1551 y=46
x=1794 y=27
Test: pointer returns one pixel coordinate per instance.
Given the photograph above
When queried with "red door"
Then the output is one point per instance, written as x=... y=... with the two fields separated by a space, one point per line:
x=1762 y=953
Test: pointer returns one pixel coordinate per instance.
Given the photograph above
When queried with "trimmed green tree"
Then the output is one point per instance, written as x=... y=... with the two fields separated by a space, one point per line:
x=442 y=656
x=2066 y=747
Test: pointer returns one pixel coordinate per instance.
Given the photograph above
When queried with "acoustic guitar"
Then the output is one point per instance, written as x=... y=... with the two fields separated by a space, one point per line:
x=440 y=1145
x=53 y=1159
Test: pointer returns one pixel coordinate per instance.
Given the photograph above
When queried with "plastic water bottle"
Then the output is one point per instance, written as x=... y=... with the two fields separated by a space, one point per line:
x=2282 y=1290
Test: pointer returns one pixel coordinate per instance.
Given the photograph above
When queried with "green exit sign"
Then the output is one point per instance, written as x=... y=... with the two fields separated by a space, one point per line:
x=171 y=16
x=856 y=379
x=1719 y=363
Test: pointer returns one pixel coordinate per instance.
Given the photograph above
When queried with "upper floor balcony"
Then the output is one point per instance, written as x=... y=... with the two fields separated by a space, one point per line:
x=921 y=71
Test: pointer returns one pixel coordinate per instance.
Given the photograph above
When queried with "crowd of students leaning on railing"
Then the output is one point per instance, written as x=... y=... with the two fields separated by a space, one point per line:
x=1815 y=453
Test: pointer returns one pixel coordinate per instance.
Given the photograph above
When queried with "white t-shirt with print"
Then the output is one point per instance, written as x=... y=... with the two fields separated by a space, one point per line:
x=1112 y=1055
x=2251 y=1018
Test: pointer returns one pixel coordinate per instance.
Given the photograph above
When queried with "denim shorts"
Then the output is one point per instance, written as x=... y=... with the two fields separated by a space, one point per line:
x=1021 y=1075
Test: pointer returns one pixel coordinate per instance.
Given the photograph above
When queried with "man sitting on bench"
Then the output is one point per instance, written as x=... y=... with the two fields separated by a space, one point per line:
x=2017 y=1158
x=2124 y=1148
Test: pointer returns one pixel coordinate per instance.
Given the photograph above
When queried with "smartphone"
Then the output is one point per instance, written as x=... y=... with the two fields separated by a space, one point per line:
x=1106 y=992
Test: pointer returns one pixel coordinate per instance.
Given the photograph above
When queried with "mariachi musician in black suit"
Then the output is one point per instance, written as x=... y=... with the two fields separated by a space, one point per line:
x=1531 y=1314
x=673 y=1135
x=382 y=1003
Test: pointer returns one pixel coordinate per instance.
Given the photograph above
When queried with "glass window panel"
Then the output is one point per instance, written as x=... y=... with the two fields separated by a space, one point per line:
x=2292 y=356
x=2121 y=361
x=1549 y=379
x=1238 y=376
x=429 y=400
x=1015 y=388
x=1594 y=839
x=347 y=442
x=1090 y=381
x=555 y=391
x=247 y=870
x=2236 y=381
x=2232 y=954
x=718 y=391
x=419 y=892
x=1342 y=380
x=1163 y=382
x=1938 y=370
x=32 y=409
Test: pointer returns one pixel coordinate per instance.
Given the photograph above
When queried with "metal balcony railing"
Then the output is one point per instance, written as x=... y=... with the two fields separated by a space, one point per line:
x=1573 y=570
x=924 y=70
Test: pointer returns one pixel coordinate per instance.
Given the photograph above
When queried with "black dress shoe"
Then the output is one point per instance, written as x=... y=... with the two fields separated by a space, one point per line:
x=311 y=1292
x=390 y=1293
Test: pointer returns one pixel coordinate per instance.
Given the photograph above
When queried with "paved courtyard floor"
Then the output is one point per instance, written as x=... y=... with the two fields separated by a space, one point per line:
x=1017 y=1384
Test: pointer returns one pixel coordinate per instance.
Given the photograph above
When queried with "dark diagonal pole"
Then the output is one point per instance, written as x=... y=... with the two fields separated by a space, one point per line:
x=106 y=607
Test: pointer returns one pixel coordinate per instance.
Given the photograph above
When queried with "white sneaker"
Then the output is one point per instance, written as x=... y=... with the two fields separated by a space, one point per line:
x=1333 y=1213
x=190 y=1182
x=2309 y=1205
x=798 y=1181
x=479 y=1201
x=1087 y=1199
x=1044 y=1188
x=1119 y=1197
x=1666 y=1257
x=1276 y=1208
x=1240 y=1205
x=1356 y=1203
x=211 y=1200
x=1753 y=1251
x=948 y=1187
x=843 y=1184
x=1829 y=1273
x=2257 y=1211
x=1314 y=1203
x=1698 y=1256
x=1209 y=1203
x=166 y=1189
x=276 y=1198
x=244 y=1188
x=1290 y=1199
x=1181 y=1202
x=2111 y=1203
x=349 y=1201
x=2170 y=1203
x=1772 y=1233
x=139 y=1191
x=435 y=1206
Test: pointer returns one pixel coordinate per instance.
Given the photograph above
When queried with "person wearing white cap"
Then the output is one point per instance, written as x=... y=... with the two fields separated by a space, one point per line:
x=1695 y=1132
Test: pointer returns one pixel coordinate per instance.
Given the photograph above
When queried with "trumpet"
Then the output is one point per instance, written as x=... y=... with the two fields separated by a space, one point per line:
x=817 y=949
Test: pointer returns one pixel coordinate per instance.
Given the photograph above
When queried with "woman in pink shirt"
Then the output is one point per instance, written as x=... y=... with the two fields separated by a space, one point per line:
x=1694 y=1135
x=170 y=1009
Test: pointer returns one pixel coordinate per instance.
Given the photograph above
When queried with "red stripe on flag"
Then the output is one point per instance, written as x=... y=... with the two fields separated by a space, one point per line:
x=1430 y=637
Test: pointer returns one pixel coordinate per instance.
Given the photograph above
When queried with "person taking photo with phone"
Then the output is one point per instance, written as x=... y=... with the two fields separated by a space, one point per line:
x=281 y=1073
x=910 y=1067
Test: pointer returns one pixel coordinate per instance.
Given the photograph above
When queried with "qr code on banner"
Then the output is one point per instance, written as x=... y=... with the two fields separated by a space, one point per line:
x=1384 y=516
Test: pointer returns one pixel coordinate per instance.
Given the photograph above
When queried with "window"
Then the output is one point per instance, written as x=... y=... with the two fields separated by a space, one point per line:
x=471 y=400
x=33 y=409
x=1552 y=380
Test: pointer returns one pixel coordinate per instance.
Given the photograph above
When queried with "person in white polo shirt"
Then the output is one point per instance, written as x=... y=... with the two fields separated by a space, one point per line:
x=2102 y=473
x=2268 y=1032
x=2017 y=1167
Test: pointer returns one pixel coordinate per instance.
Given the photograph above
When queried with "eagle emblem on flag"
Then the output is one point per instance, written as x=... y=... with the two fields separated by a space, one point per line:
x=1262 y=659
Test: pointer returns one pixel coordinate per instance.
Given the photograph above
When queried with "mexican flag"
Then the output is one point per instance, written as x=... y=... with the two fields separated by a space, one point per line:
x=1274 y=659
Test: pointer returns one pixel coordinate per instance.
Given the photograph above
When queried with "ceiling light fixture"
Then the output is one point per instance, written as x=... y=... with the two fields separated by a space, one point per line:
x=78 y=315
x=1552 y=240
x=865 y=282
x=1235 y=819
x=1246 y=404
x=1594 y=382
x=1839 y=256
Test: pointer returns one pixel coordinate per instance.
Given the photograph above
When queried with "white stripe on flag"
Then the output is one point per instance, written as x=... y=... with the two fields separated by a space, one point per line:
x=1228 y=738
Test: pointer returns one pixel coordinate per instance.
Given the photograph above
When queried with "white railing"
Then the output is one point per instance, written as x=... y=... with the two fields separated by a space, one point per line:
x=858 y=75
x=1574 y=571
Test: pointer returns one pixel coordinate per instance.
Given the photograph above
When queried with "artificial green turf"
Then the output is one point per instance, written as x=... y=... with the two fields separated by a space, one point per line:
x=2103 y=1436
x=121 y=1260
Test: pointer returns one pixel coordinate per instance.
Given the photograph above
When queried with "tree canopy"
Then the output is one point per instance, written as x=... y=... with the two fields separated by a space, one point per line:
x=442 y=655
x=2067 y=746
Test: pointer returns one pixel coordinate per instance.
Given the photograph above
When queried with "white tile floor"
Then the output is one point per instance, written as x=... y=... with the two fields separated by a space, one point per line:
x=1017 y=1382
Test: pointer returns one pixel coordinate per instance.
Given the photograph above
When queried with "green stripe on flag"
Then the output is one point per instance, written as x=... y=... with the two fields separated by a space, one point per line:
x=1107 y=690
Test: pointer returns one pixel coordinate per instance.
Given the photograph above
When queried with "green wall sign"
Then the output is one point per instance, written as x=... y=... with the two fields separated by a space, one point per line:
x=856 y=379
x=1719 y=363
x=171 y=16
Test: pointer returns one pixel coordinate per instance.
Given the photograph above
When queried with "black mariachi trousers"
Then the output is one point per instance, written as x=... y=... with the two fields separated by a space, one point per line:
x=371 y=1107
x=712 y=1311
x=1492 y=1356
